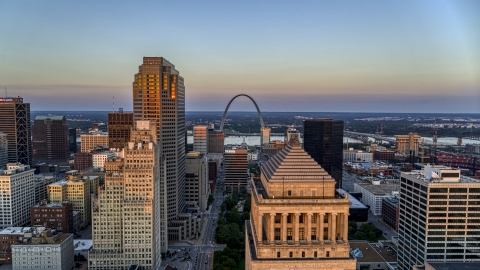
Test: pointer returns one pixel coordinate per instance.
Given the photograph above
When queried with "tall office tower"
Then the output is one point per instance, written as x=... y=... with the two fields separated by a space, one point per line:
x=291 y=133
x=236 y=168
x=159 y=95
x=407 y=143
x=119 y=126
x=200 y=142
x=126 y=217
x=297 y=220
x=215 y=141
x=50 y=138
x=323 y=140
x=439 y=217
x=196 y=180
x=15 y=122
x=3 y=150
x=265 y=136
x=72 y=140
x=18 y=192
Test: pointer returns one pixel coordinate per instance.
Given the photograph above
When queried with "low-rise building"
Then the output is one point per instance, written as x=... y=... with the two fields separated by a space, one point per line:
x=384 y=155
x=83 y=161
x=380 y=256
x=391 y=211
x=373 y=194
x=41 y=248
x=90 y=141
x=98 y=159
x=58 y=216
x=9 y=236
x=82 y=246
x=356 y=156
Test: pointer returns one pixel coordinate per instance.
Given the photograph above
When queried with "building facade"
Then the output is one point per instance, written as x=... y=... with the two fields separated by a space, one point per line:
x=265 y=136
x=200 y=141
x=196 y=180
x=90 y=141
x=41 y=182
x=72 y=140
x=236 y=168
x=323 y=140
x=391 y=212
x=9 y=236
x=3 y=150
x=15 y=122
x=216 y=140
x=296 y=220
x=50 y=138
x=17 y=193
x=98 y=159
x=40 y=249
x=58 y=216
x=356 y=156
x=439 y=217
x=119 y=126
x=128 y=220
x=373 y=194
x=407 y=143
x=82 y=161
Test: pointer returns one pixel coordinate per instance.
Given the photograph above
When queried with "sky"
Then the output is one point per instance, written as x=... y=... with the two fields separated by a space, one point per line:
x=317 y=56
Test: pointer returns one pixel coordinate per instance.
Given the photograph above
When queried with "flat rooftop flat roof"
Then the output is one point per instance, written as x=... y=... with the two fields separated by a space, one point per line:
x=382 y=189
x=355 y=203
x=454 y=265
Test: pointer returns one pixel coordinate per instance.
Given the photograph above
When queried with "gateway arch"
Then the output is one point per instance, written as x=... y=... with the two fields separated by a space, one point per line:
x=254 y=103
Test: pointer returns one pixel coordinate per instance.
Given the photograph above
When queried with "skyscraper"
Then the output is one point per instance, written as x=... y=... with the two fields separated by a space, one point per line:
x=50 y=138
x=265 y=136
x=297 y=219
x=215 y=141
x=236 y=170
x=126 y=216
x=323 y=140
x=439 y=217
x=119 y=126
x=15 y=122
x=200 y=141
x=3 y=150
x=159 y=96
x=72 y=139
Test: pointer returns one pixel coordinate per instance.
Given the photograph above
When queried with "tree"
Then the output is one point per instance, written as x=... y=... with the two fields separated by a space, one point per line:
x=230 y=263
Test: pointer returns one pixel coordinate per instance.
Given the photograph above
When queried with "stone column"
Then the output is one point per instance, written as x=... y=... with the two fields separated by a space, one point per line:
x=309 y=228
x=321 y=217
x=272 y=228
x=345 y=227
x=334 y=227
x=297 y=227
x=284 y=227
x=329 y=220
x=260 y=227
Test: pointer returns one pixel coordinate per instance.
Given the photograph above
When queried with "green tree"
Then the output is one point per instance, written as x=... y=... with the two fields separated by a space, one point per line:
x=230 y=263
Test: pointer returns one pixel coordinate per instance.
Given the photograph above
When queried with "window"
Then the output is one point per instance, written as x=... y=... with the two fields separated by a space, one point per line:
x=303 y=254
x=328 y=254
x=291 y=254
x=289 y=234
x=289 y=193
x=278 y=254
x=315 y=254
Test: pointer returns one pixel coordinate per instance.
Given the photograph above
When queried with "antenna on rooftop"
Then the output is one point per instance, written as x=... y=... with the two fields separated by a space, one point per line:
x=113 y=105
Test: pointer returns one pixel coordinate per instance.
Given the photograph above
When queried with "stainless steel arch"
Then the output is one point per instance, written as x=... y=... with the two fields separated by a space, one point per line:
x=254 y=103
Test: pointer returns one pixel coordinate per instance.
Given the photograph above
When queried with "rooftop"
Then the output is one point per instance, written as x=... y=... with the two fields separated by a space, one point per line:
x=294 y=164
x=355 y=203
x=380 y=190
x=16 y=230
x=375 y=253
x=83 y=244
x=454 y=265
x=52 y=117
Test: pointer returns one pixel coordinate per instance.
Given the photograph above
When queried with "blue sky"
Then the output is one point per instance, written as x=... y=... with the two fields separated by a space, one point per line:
x=385 y=56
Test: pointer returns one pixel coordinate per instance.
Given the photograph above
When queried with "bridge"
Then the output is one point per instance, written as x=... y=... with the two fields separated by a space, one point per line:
x=364 y=137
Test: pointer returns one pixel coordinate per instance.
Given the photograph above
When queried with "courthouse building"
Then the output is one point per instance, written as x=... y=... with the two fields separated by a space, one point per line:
x=297 y=220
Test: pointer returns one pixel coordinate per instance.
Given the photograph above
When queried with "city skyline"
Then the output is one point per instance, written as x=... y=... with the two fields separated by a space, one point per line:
x=339 y=57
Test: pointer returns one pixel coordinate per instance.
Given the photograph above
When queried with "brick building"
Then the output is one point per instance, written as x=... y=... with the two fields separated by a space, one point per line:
x=58 y=216
x=391 y=212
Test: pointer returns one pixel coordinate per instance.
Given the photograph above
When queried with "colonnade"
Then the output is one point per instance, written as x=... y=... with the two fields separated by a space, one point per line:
x=296 y=227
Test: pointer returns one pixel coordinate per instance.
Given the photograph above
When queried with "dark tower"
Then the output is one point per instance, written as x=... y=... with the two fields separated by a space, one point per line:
x=119 y=126
x=72 y=139
x=323 y=140
x=15 y=122
x=50 y=138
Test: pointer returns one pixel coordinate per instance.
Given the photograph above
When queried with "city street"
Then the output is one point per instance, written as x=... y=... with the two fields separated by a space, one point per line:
x=202 y=250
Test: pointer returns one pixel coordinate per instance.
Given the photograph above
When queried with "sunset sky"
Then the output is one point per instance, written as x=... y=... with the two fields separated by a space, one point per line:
x=344 y=56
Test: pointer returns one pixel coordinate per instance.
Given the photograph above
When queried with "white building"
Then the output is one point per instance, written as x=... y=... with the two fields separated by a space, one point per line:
x=200 y=141
x=40 y=249
x=373 y=194
x=356 y=156
x=265 y=136
x=98 y=159
x=252 y=156
x=196 y=180
x=17 y=195
x=82 y=246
